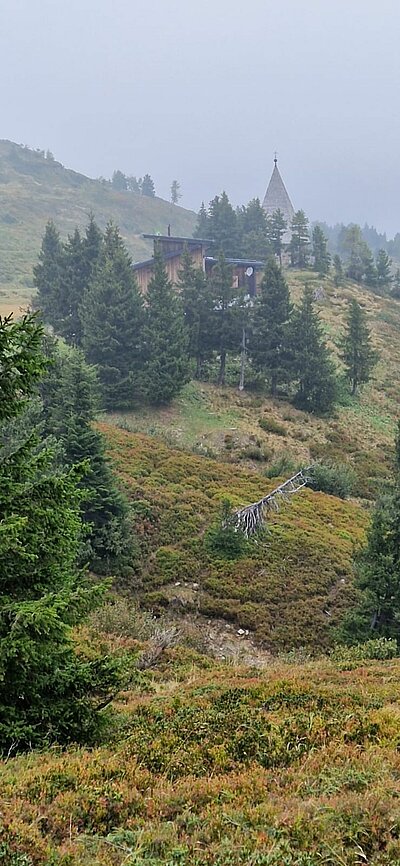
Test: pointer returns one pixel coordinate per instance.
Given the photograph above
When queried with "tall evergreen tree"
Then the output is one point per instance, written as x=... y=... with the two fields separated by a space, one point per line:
x=252 y=231
x=47 y=277
x=383 y=270
x=165 y=338
x=227 y=330
x=70 y=401
x=48 y=692
x=322 y=258
x=370 y=276
x=147 y=187
x=222 y=225
x=300 y=242
x=312 y=366
x=119 y=181
x=202 y=226
x=358 y=355
x=269 y=344
x=377 y=608
x=338 y=275
x=277 y=228
x=198 y=311
x=112 y=318
x=175 y=192
x=396 y=284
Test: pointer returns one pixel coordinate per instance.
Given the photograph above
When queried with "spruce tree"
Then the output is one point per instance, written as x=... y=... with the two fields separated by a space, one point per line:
x=198 y=311
x=300 y=241
x=48 y=692
x=252 y=231
x=147 y=186
x=277 y=228
x=396 y=284
x=112 y=319
x=165 y=339
x=223 y=225
x=70 y=401
x=269 y=347
x=227 y=330
x=175 y=192
x=202 y=226
x=383 y=270
x=119 y=181
x=322 y=258
x=370 y=276
x=338 y=275
x=47 y=276
x=376 y=612
x=312 y=363
x=71 y=289
x=358 y=355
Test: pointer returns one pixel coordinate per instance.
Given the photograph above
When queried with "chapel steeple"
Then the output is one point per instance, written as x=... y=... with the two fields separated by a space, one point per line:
x=277 y=198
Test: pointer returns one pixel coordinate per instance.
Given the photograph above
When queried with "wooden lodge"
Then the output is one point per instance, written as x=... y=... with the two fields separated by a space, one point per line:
x=246 y=274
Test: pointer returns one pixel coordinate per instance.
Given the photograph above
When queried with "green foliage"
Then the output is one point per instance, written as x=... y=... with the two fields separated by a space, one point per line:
x=147 y=186
x=227 y=330
x=165 y=340
x=338 y=274
x=270 y=425
x=119 y=181
x=337 y=479
x=379 y=648
x=322 y=258
x=175 y=192
x=223 y=540
x=47 y=276
x=197 y=304
x=70 y=398
x=383 y=270
x=312 y=364
x=47 y=692
x=21 y=363
x=276 y=229
x=358 y=354
x=112 y=318
x=300 y=241
x=269 y=346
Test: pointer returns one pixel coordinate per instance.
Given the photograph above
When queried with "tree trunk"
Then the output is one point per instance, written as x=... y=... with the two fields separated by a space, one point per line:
x=221 y=375
x=242 y=360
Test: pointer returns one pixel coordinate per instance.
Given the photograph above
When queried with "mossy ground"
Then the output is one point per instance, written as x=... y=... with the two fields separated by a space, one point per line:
x=207 y=764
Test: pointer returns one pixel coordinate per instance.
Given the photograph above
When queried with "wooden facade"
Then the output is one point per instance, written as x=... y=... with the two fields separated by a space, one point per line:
x=247 y=274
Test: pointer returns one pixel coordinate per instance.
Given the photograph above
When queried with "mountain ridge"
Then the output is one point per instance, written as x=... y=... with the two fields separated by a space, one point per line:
x=35 y=188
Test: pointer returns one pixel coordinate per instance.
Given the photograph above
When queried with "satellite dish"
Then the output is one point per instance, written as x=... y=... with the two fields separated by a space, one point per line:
x=249 y=272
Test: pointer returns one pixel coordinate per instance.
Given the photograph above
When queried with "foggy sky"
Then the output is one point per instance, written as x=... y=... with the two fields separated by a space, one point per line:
x=206 y=91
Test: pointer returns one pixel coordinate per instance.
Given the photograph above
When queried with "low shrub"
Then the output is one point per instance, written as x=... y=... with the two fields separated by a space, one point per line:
x=256 y=452
x=270 y=425
x=283 y=465
x=337 y=479
x=222 y=539
x=381 y=648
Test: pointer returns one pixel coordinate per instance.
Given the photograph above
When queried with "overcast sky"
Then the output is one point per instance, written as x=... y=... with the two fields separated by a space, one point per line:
x=206 y=91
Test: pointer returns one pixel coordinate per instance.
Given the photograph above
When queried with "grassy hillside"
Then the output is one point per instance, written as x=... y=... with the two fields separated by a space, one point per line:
x=34 y=190
x=224 y=423
x=212 y=765
x=288 y=589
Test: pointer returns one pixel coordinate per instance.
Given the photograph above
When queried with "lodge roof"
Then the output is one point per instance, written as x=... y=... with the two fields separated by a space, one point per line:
x=250 y=263
x=173 y=239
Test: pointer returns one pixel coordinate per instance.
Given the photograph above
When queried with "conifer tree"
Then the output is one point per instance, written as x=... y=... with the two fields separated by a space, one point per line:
x=165 y=339
x=370 y=276
x=112 y=318
x=72 y=284
x=202 y=227
x=47 y=277
x=252 y=231
x=147 y=186
x=300 y=242
x=269 y=345
x=70 y=401
x=338 y=271
x=198 y=311
x=383 y=270
x=222 y=224
x=277 y=228
x=312 y=364
x=396 y=284
x=48 y=692
x=175 y=192
x=322 y=258
x=377 y=608
x=358 y=355
x=119 y=181
x=227 y=330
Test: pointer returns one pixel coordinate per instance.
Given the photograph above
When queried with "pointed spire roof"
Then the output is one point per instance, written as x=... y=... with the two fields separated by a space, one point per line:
x=277 y=198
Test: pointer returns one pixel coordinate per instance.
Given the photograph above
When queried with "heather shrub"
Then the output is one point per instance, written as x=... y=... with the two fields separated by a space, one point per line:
x=270 y=425
x=337 y=479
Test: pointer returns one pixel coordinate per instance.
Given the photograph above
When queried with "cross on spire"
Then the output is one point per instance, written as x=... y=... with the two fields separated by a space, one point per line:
x=276 y=157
